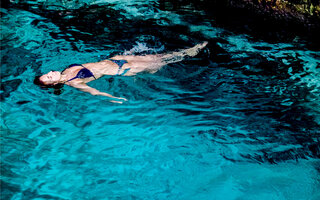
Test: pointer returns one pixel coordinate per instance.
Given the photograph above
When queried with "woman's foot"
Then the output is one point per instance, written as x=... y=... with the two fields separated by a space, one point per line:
x=196 y=49
x=180 y=55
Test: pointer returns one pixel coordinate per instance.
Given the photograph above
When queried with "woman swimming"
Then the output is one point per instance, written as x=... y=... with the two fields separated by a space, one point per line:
x=78 y=75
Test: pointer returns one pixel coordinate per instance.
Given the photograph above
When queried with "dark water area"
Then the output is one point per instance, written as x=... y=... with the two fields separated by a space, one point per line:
x=251 y=98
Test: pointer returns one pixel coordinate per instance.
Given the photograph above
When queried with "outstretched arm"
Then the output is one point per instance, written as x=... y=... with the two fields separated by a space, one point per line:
x=85 y=88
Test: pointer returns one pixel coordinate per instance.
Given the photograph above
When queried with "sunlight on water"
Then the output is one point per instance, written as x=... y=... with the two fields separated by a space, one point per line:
x=240 y=121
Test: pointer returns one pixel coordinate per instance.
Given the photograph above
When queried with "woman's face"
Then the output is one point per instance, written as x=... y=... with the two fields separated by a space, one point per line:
x=51 y=78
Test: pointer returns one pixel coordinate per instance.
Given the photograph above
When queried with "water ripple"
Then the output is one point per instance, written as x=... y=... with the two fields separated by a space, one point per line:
x=190 y=131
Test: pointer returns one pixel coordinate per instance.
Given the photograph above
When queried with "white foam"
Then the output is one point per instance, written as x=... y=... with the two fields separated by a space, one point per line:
x=141 y=47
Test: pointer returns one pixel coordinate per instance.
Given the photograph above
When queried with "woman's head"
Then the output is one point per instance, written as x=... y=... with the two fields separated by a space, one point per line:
x=49 y=80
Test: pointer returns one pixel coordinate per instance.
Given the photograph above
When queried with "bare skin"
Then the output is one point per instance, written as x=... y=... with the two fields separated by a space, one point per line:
x=136 y=64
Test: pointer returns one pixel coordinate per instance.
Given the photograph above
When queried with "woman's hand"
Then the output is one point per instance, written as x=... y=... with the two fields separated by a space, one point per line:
x=124 y=99
x=120 y=98
x=109 y=95
x=119 y=102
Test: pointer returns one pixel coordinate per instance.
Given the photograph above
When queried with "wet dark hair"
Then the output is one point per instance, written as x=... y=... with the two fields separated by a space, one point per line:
x=57 y=87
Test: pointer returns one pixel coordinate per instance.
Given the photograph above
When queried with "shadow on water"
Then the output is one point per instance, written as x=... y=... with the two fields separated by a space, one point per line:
x=105 y=24
x=261 y=99
x=244 y=20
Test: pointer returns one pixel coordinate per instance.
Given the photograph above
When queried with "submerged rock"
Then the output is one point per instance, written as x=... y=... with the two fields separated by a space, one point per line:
x=304 y=13
x=299 y=11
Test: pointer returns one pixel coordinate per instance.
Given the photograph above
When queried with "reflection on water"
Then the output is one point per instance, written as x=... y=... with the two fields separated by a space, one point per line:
x=239 y=121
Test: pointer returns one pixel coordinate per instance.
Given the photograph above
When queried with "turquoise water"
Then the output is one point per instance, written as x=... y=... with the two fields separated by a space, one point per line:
x=240 y=121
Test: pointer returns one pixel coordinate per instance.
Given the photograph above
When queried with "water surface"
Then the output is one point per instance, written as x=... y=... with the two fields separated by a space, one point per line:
x=239 y=121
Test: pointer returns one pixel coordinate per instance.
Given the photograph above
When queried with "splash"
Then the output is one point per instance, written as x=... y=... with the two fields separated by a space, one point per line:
x=140 y=48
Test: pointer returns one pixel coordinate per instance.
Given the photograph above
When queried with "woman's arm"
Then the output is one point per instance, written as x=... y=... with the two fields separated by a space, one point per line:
x=85 y=88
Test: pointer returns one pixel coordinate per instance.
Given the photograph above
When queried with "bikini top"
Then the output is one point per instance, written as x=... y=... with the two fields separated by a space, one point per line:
x=83 y=73
x=86 y=73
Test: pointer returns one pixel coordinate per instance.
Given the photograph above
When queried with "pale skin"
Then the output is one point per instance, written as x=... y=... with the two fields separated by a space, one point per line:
x=136 y=64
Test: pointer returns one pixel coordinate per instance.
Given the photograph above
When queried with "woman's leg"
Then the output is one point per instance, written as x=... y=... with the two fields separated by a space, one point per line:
x=153 y=63
x=164 y=58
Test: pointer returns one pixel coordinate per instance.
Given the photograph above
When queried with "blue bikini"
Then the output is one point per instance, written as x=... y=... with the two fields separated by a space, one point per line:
x=86 y=73
x=83 y=73
x=120 y=63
